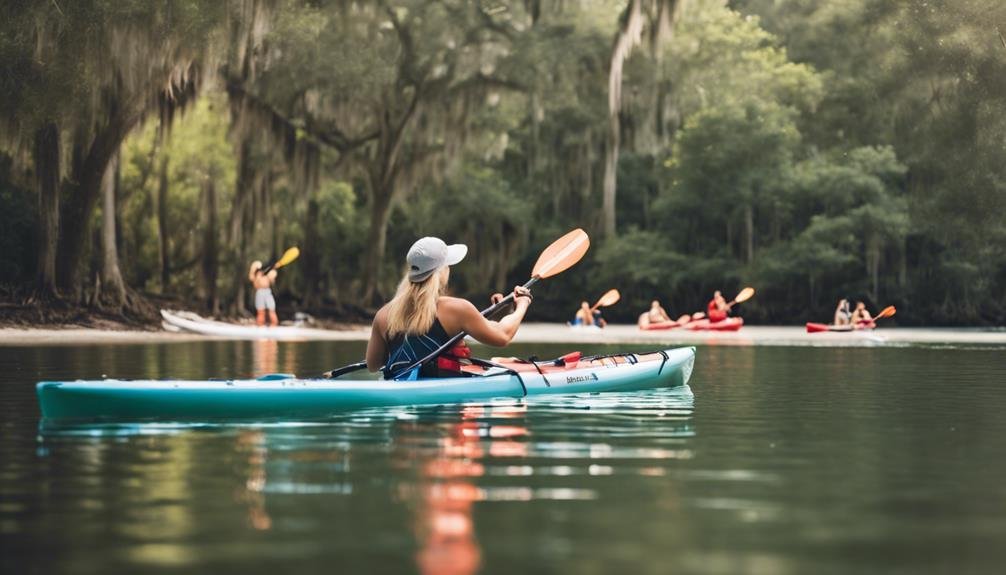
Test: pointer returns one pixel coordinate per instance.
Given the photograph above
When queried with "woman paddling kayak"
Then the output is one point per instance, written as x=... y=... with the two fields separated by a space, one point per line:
x=420 y=318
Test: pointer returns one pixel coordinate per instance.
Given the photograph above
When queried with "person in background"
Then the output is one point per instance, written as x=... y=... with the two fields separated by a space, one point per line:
x=658 y=315
x=842 y=314
x=598 y=320
x=718 y=308
x=861 y=317
x=584 y=316
x=264 y=300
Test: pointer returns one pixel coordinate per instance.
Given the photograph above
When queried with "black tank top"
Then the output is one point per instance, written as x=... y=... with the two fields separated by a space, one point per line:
x=405 y=350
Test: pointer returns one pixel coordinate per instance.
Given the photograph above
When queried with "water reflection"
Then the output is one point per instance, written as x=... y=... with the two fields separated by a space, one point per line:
x=443 y=467
x=795 y=461
x=252 y=442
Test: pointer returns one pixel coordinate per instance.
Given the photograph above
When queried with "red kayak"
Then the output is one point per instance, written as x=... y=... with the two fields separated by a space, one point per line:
x=824 y=327
x=729 y=324
x=663 y=325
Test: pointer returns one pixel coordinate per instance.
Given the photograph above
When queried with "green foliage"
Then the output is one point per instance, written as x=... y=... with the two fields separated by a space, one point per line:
x=195 y=151
x=812 y=149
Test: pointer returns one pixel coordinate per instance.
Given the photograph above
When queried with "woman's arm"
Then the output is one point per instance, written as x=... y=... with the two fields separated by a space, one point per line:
x=377 y=347
x=463 y=316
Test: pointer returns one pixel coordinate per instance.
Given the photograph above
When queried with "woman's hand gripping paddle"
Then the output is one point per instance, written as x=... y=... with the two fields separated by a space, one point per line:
x=558 y=257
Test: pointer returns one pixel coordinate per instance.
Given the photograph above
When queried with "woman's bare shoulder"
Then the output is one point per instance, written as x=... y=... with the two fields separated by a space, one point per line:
x=381 y=317
x=455 y=304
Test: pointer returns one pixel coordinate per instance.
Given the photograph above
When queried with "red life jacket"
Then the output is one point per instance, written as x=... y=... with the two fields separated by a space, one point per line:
x=455 y=358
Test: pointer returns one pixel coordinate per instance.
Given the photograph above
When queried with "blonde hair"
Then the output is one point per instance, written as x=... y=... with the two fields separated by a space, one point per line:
x=414 y=307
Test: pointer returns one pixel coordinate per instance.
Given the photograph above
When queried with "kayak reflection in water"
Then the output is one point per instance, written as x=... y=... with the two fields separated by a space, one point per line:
x=420 y=318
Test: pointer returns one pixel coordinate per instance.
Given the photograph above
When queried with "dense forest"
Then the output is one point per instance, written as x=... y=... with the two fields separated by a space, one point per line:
x=814 y=150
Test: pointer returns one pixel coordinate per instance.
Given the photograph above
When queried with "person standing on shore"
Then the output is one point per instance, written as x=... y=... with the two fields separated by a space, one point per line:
x=264 y=300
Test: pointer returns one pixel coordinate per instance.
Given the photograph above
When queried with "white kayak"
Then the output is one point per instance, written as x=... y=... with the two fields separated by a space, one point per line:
x=194 y=323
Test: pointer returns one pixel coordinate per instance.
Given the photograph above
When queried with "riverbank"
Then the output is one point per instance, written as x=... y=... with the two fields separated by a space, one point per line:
x=554 y=333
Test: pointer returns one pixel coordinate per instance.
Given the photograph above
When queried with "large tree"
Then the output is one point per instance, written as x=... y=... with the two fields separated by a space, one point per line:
x=86 y=74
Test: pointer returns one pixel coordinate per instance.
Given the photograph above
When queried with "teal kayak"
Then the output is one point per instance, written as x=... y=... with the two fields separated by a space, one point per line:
x=286 y=396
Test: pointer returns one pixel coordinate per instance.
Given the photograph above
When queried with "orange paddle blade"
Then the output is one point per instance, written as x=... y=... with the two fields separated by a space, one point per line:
x=887 y=312
x=610 y=297
x=562 y=254
x=746 y=294
x=288 y=257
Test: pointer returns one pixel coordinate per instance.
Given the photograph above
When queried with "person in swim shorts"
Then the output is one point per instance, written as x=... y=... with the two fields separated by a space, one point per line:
x=264 y=300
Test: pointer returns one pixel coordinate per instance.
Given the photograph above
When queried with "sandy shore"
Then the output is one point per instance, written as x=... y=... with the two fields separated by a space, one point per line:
x=84 y=336
x=556 y=333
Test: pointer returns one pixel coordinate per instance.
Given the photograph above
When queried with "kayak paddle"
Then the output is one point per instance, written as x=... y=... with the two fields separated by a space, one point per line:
x=611 y=297
x=744 y=295
x=288 y=257
x=886 y=312
x=561 y=255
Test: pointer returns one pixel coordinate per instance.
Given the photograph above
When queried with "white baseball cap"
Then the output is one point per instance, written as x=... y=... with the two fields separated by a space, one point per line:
x=429 y=254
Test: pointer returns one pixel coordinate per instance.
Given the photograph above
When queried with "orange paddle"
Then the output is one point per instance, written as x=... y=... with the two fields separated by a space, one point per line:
x=610 y=297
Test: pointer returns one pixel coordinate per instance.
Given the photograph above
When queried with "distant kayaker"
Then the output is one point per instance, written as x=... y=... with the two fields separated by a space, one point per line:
x=264 y=300
x=420 y=318
x=861 y=317
x=718 y=308
x=655 y=315
x=584 y=316
x=842 y=314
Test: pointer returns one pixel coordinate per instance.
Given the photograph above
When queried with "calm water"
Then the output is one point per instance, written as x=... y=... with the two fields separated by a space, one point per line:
x=776 y=460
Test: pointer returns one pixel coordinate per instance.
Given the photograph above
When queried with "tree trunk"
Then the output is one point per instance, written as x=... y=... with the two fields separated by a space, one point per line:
x=628 y=37
x=163 y=249
x=210 y=264
x=380 y=209
x=749 y=232
x=312 y=259
x=873 y=267
x=47 y=159
x=114 y=290
x=76 y=215
x=242 y=219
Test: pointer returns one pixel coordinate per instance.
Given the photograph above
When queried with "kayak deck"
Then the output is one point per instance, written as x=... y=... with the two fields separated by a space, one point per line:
x=285 y=396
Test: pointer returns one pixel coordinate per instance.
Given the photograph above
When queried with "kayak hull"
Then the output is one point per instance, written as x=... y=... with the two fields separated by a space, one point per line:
x=824 y=327
x=288 y=397
x=661 y=326
x=192 y=323
x=729 y=324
